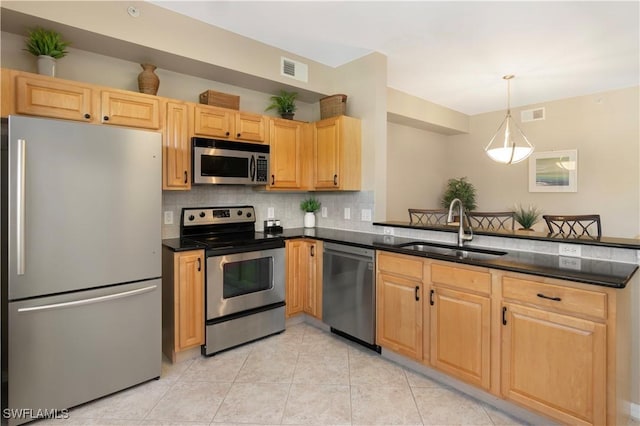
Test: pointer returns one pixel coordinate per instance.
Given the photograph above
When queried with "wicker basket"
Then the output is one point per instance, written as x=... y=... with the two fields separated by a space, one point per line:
x=332 y=106
x=219 y=99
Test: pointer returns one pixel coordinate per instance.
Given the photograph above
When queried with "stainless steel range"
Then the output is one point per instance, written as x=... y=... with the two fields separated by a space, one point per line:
x=245 y=279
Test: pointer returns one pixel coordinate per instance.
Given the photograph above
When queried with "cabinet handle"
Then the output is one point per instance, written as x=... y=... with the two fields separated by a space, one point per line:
x=313 y=251
x=199 y=264
x=555 y=299
x=227 y=134
x=273 y=179
x=417 y=295
x=239 y=134
x=105 y=118
x=87 y=116
x=186 y=177
x=504 y=315
x=431 y=297
x=335 y=180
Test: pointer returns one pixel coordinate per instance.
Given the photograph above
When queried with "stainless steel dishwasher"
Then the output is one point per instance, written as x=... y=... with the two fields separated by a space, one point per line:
x=348 y=292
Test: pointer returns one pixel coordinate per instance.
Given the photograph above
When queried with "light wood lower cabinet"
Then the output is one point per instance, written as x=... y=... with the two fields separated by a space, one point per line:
x=182 y=301
x=559 y=348
x=399 y=303
x=304 y=277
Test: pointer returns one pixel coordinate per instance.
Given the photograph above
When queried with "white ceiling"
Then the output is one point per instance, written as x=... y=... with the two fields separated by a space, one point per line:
x=453 y=53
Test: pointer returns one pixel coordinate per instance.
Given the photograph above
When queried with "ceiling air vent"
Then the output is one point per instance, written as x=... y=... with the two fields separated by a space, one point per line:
x=532 y=115
x=294 y=69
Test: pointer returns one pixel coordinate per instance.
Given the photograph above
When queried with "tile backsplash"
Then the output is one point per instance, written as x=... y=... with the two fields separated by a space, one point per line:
x=286 y=206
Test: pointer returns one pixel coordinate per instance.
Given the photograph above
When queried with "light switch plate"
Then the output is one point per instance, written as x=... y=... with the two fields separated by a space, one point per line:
x=324 y=212
x=365 y=215
x=168 y=217
x=573 y=250
x=347 y=213
x=270 y=213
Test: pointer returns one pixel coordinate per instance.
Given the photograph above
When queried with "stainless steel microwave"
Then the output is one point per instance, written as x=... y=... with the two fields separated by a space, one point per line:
x=218 y=161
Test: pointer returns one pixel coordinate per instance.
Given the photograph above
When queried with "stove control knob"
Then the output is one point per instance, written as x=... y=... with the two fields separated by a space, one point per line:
x=239 y=212
x=201 y=214
x=248 y=214
x=192 y=217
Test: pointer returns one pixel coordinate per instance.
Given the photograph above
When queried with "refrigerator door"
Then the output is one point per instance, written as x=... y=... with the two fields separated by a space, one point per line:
x=56 y=364
x=84 y=203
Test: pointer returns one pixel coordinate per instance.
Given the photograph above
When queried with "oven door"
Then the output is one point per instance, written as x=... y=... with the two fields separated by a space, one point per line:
x=242 y=281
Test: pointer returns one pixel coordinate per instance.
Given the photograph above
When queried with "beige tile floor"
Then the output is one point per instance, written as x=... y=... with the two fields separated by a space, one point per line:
x=304 y=376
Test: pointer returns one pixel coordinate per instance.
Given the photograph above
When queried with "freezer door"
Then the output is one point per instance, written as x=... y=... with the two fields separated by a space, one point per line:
x=84 y=206
x=69 y=349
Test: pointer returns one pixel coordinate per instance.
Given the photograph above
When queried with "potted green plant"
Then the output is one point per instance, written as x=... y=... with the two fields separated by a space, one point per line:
x=462 y=189
x=310 y=206
x=527 y=217
x=284 y=103
x=48 y=46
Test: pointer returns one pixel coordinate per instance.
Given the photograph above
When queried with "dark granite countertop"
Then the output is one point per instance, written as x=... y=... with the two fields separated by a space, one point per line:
x=597 y=272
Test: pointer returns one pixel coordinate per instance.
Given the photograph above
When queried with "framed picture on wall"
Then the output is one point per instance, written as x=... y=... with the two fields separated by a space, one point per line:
x=553 y=171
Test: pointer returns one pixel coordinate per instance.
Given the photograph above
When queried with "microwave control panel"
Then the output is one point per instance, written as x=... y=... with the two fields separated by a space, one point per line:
x=262 y=174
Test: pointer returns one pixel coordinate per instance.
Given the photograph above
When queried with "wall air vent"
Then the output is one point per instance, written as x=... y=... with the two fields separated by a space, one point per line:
x=532 y=115
x=294 y=69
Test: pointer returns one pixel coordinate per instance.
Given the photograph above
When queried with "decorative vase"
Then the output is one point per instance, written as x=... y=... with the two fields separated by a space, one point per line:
x=309 y=220
x=47 y=65
x=148 y=81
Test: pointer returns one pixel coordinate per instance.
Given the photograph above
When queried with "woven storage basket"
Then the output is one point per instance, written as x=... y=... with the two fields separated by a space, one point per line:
x=332 y=106
x=219 y=99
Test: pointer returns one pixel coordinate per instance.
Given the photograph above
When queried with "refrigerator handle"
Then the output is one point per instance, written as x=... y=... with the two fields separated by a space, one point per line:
x=20 y=205
x=91 y=300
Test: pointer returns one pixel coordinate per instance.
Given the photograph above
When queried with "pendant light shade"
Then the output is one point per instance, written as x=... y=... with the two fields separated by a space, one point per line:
x=509 y=145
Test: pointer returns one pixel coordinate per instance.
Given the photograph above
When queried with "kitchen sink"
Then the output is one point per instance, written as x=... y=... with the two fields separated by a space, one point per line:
x=472 y=253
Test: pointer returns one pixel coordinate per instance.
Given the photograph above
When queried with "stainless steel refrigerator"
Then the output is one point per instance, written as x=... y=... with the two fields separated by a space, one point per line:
x=81 y=263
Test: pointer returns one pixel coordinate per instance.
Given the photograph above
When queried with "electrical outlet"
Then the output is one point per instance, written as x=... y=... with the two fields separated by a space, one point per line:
x=569 y=263
x=387 y=231
x=347 y=213
x=168 y=217
x=573 y=250
x=365 y=215
x=270 y=213
x=323 y=213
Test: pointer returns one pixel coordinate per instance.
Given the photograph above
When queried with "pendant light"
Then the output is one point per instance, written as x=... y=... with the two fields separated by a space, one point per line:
x=511 y=145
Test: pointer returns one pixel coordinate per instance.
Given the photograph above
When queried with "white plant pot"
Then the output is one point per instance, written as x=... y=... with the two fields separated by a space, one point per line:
x=309 y=220
x=47 y=65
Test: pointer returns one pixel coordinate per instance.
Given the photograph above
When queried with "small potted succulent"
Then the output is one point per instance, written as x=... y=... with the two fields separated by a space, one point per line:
x=284 y=103
x=48 y=46
x=462 y=189
x=527 y=217
x=310 y=206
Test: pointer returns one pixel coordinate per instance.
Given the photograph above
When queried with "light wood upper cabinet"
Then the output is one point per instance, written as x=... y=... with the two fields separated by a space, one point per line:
x=555 y=364
x=290 y=155
x=182 y=301
x=399 y=303
x=209 y=121
x=49 y=97
x=304 y=277
x=337 y=143
x=130 y=109
x=460 y=322
x=176 y=147
x=250 y=127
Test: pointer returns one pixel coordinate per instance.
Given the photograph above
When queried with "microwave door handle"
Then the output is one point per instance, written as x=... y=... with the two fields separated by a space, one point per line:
x=252 y=168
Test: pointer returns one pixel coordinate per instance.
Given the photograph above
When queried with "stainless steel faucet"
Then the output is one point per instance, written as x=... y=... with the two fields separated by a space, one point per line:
x=462 y=236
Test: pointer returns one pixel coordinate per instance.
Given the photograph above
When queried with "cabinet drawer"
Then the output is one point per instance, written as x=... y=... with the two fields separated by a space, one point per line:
x=462 y=278
x=567 y=299
x=398 y=264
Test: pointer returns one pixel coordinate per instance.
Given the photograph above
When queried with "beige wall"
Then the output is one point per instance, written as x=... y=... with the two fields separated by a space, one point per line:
x=604 y=128
x=416 y=161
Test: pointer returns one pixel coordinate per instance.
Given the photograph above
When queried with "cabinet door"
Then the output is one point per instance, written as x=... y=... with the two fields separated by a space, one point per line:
x=313 y=291
x=327 y=153
x=460 y=335
x=212 y=121
x=53 y=98
x=555 y=364
x=297 y=273
x=399 y=315
x=177 y=149
x=130 y=109
x=285 y=137
x=189 y=300
x=250 y=127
